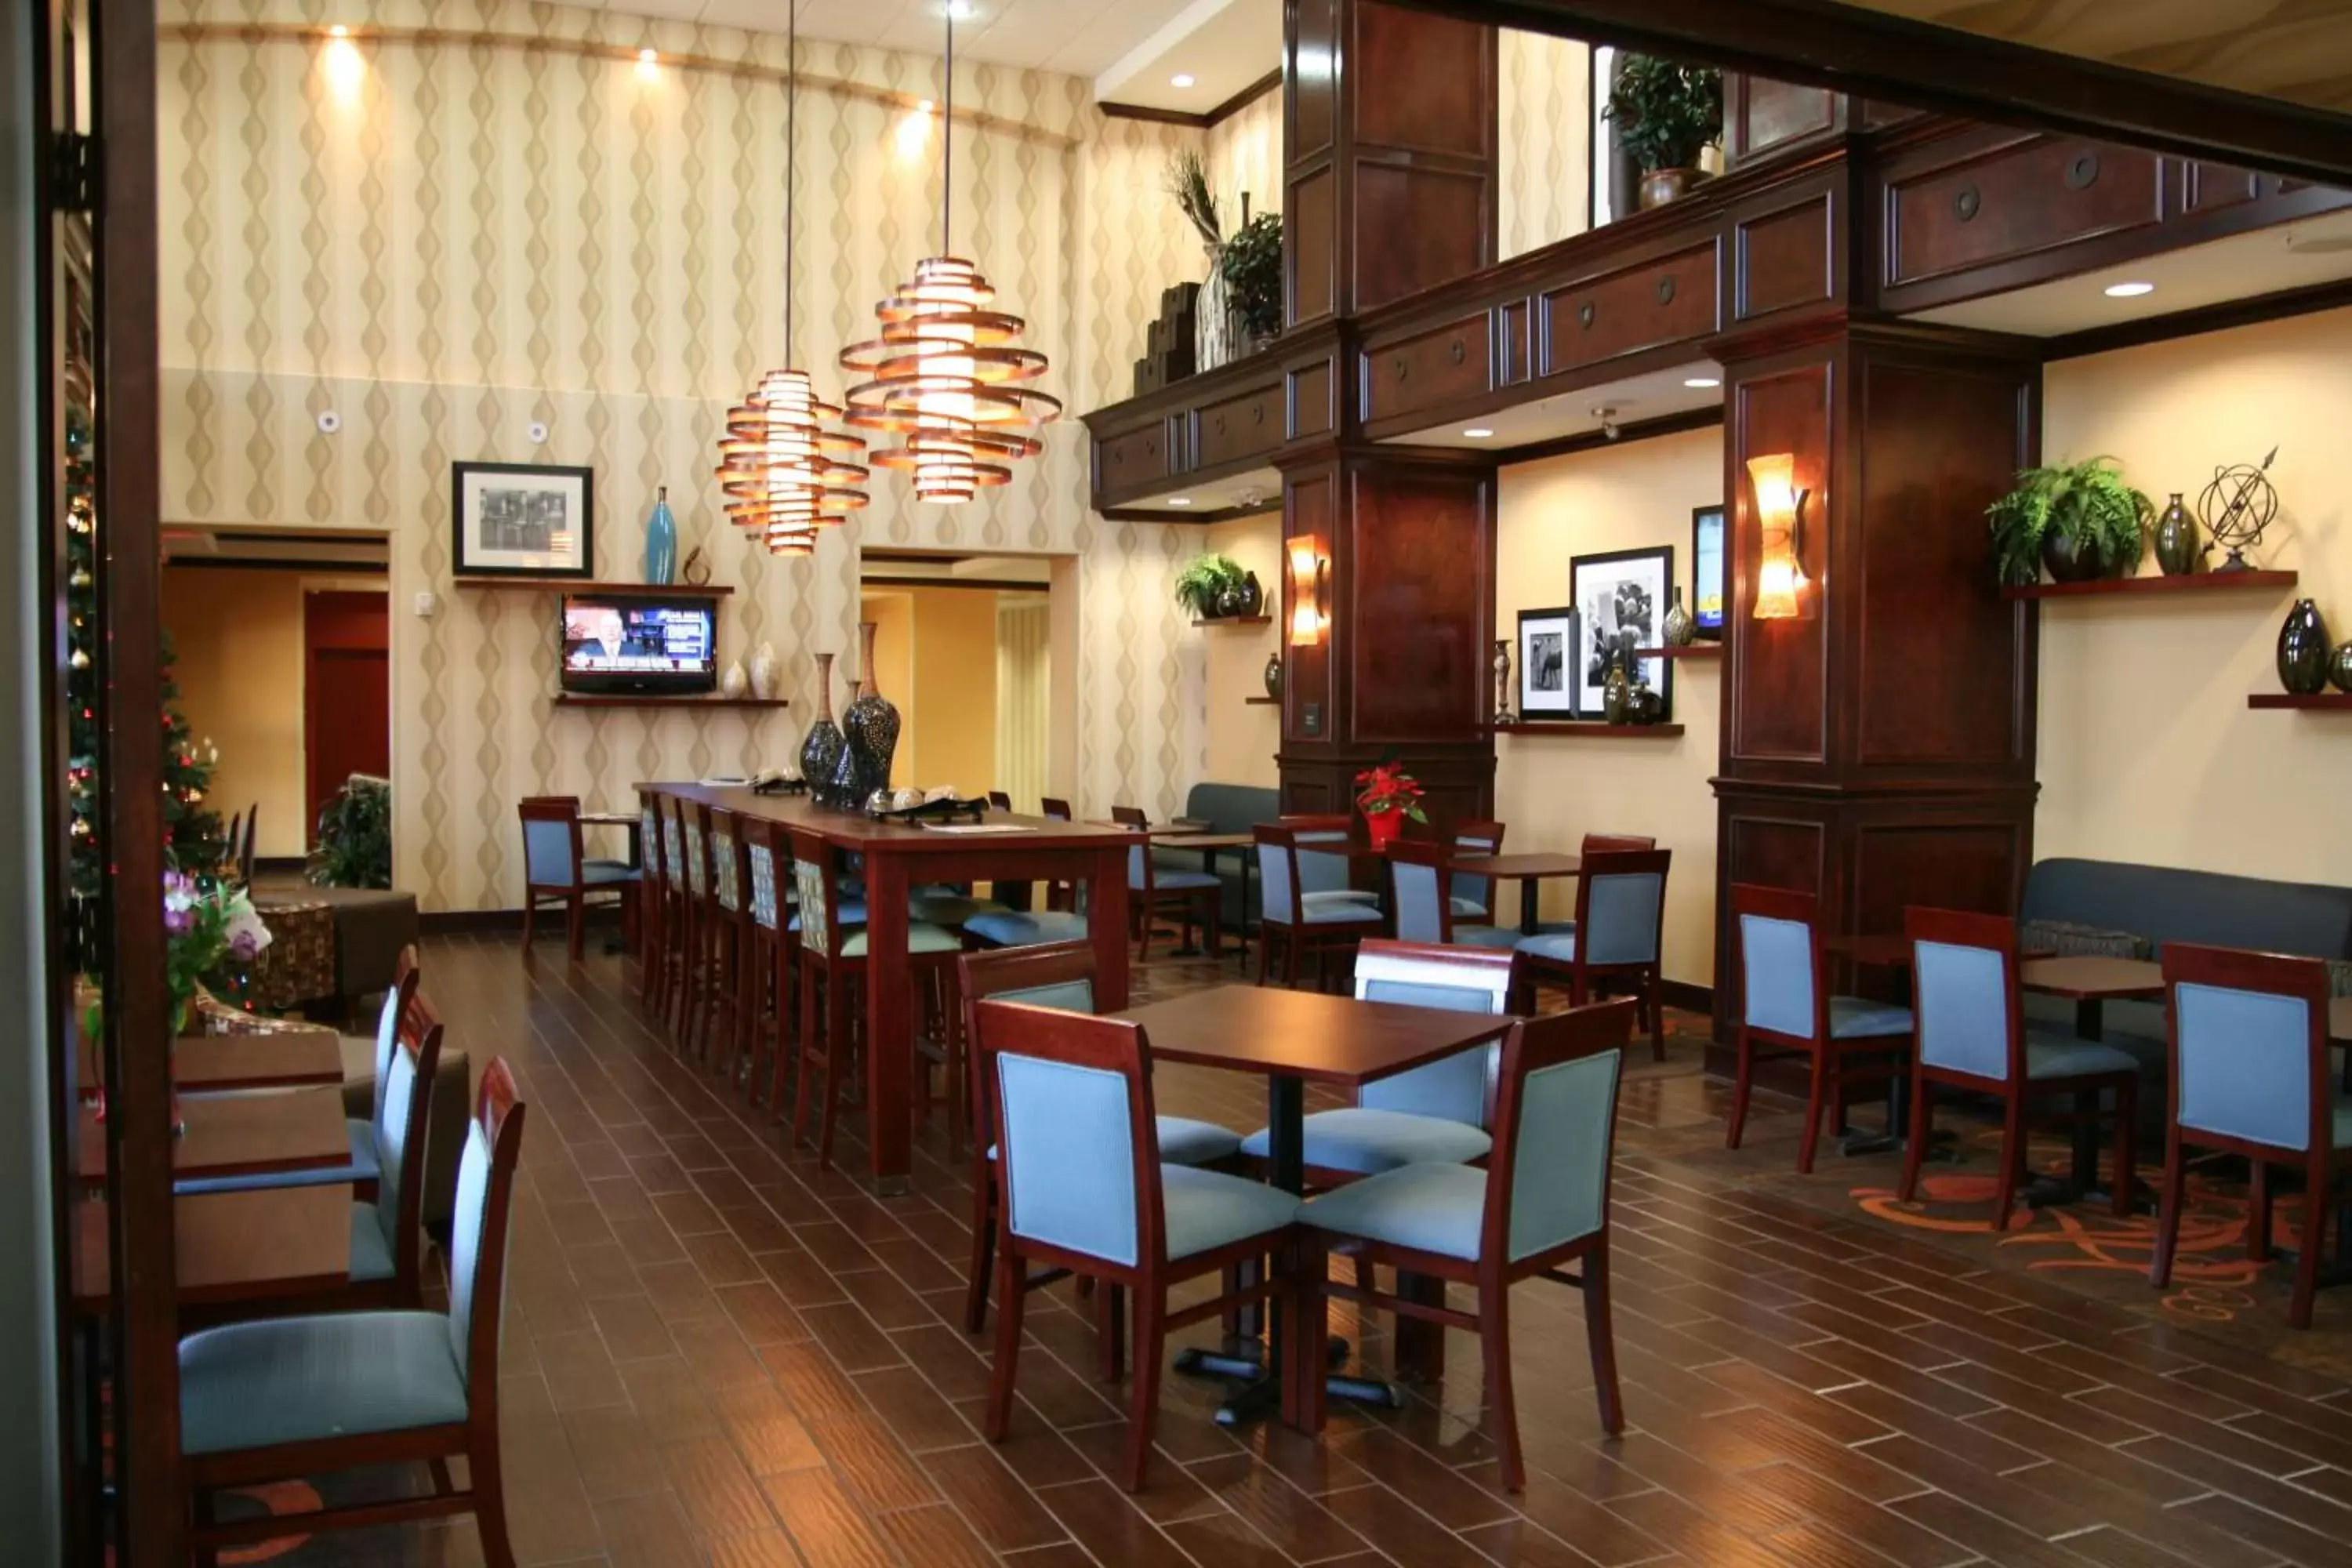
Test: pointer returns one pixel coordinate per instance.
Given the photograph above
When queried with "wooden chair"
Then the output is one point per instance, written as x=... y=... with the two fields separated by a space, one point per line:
x=245 y=850
x=677 y=915
x=553 y=868
x=287 y=1399
x=731 y=941
x=229 y=858
x=1786 y=1010
x=1194 y=897
x=1302 y=921
x=2249 y=1075
x=832 y=936
x=998 y=800
x=1422 y=901
x=771 y=972
x=1616 y=938
x=1086 y=1190
x=701 y=919
x=1061 y=975
x=1469 y=898
x=1542 y=1202
x=653 y=898
x=1972 y=1036
x=387 y=1250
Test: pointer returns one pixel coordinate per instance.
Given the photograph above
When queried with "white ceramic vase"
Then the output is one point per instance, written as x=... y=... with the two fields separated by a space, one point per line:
x=763 y=672
x=733 y=682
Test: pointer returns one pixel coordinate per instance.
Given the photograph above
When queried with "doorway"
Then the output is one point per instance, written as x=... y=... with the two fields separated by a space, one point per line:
x=346 y=691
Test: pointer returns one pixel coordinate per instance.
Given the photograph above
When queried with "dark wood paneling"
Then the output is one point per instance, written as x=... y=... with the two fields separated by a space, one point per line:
x=2021 y=199
x=1621 y=313
x=1786 y=259
x=1417 y=227
x=1314 y=406
x=1235 y=429
x=1944 y=856
x=1938 y=655
x=1766 y=845
x=1427 y=370
x=1310 y=231
x=1762 y=116
x=1779 y=671
x=1514 y=345
x=1137 y=458
x=1421 y=83
x=2208 y=187
x=1418 y=589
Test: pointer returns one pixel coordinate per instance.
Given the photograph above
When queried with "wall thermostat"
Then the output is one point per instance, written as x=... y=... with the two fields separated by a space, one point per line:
x=428 y=603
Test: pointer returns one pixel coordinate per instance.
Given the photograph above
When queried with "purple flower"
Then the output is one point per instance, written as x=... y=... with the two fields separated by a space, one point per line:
x=244 y=947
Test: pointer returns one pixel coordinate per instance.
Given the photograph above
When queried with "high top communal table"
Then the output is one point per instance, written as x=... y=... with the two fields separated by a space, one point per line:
x=900 y=857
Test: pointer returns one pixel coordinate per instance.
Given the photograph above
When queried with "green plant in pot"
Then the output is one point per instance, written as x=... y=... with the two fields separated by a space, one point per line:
x=1210 y=586
x=354 y=846
x=2079 y=520
x=1666 y=114
x=1252 y=264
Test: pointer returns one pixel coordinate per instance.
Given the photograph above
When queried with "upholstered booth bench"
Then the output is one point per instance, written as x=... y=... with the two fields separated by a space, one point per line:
x=1225 y=808
x=2115 y=910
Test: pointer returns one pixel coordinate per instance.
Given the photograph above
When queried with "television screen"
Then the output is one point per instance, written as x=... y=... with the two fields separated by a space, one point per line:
x=638 y=645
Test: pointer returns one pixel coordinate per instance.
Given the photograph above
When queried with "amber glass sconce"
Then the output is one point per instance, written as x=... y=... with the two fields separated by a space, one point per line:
x=1781 y=515
x=1310 y=567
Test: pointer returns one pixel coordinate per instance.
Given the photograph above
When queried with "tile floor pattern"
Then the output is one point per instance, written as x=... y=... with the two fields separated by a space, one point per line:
x=716 y=1354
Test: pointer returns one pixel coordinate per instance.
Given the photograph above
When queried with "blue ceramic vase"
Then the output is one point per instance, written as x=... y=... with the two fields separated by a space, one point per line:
x=661 y=540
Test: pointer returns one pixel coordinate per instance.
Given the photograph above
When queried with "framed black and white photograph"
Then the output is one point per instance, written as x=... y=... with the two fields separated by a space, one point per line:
x=523 y=520
x=1547 y=663
x=1621 y=605
x=1706 y=572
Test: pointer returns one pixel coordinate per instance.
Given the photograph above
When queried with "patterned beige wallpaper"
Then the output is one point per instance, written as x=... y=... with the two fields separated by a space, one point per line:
x=480 y=213
x=1245 y=153
x=1544 y=117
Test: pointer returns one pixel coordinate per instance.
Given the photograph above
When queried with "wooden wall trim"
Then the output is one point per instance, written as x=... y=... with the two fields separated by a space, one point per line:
x=1209 y=120
x=1627 y=436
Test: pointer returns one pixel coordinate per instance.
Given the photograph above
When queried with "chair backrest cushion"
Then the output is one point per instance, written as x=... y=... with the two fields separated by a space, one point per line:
x=1322 y=860
x=468 y=1218
x=1454 y=1088
x=1775 y=972
x=673 y=850
x=725 y=886
x=1963 y=1012
x=387 y=1045
x=815 y=934
x=696 y=872
x=1067 y=1143
x=400 y=1087
x=1477 y=889
x=547 y=852
x=1559 y=1166
x=1621 y=918
x=762 y=858
x=2245 y=1063
x=1274 y=881
x=1419 y=902
x=1136 y=861
x=1066 y=995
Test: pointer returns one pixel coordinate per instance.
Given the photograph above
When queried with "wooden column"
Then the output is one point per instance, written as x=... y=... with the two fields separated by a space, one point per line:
x=1390 y=176
x=1879 y=751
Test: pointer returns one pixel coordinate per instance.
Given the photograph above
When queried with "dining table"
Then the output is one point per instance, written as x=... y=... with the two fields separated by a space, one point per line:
x=1293 y=1038
x=899 y=856
x=291 y=1058
x=239 y=1135
x=263 y=1244
x=631 y=820
x=1529 y=870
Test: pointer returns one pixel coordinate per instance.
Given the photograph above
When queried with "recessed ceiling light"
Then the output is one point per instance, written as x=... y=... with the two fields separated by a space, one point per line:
x=648 y=56
x=1477 y=432
x=958 y=10
x=1703 y=382
x=2129 y=290
x=1180 y=501
x=338 y=31
x=1181 y=79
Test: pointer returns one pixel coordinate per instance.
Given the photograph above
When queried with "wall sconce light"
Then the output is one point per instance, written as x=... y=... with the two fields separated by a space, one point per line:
x=1780 y=516
x=1310 y=618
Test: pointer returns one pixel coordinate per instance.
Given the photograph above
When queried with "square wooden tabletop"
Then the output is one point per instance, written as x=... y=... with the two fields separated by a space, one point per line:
x=291 y=1058
x=2093 y=979
x=1535 y=865
x=268 y=1243
x=242 y=1135
x=1306 y=1033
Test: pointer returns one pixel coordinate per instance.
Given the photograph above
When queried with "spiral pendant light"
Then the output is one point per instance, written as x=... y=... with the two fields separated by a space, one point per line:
x=948 y=375
x=785 y=473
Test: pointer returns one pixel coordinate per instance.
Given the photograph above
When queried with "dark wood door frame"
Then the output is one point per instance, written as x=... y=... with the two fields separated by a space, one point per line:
x=1872 y=55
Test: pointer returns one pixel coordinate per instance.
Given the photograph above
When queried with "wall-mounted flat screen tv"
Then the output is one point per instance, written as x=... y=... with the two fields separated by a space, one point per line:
x=617 y=644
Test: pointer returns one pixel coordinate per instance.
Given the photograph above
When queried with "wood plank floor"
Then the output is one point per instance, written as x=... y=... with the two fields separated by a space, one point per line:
x=715 y=1353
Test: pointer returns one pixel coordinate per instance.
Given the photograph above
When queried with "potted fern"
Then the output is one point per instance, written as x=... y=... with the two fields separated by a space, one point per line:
x=1666 y=114
x=1210 y=586
x=2079 y=520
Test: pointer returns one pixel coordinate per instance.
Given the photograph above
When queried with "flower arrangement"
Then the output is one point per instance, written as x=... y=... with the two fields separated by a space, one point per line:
x=1389 y=797
x=205 y=930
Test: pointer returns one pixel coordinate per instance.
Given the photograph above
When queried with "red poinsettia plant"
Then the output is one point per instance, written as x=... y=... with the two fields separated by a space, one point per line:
x=1388 y=795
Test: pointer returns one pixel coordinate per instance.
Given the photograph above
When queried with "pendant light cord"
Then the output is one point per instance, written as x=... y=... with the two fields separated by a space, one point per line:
x=947 y=141
x=791 y=154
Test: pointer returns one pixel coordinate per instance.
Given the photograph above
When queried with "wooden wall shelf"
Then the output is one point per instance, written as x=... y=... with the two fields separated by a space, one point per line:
x=2196 y=583
x=1263 y=701
x=1688 y=650
x=2340 y=702
x=656 y=700
x=1235 y=621
x=1594 y=729
x=581 y=585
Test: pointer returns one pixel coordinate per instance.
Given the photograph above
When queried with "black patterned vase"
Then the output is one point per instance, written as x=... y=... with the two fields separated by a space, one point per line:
x=821 y=748
x=870 y=727
x=2304 y=651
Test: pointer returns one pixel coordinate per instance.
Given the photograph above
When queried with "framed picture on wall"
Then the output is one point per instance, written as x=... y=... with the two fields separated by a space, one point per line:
x=1621 y=605
x=522 y=520
x=1706 y=572
x=1547 y=663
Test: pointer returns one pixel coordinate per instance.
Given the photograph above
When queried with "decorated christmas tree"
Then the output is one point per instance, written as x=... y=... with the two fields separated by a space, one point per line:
x=193 y=839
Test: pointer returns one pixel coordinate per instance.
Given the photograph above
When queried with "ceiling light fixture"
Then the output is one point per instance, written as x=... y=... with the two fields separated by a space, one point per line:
x=784 y=471
x=1477 y=432
x=1181 y=79
x=338 y=31
x=1701 y=383
x=947 y=374
x=2129 y=290
x=1180 y=501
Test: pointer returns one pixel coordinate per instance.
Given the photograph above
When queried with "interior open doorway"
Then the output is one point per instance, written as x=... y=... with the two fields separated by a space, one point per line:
x=965 y=646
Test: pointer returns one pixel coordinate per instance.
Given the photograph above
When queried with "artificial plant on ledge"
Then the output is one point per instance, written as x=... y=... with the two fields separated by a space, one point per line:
x=1204 y=582
x=2080 y=520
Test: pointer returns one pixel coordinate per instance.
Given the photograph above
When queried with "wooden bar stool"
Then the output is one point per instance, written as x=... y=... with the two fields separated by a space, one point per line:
x=731 y=939
x=769 y=974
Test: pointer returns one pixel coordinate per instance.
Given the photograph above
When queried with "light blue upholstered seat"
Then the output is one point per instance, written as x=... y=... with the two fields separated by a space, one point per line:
x=1503 y=937
x=1324 y=896
x=1465 y=908
x=547 y=852
x=2245 y=1066
x=1183 y=1141
x=1560 y=946
x=606 y=873
x=1028 y=928
x=1855 y=1018
x=290 y=1379
x=1165 y=880
x=1622 y=910
x=1361 y=1140
x=1432 y=1208
x=2051 y=1055
x=942 y=908
x=1360 y=897
x=851 y=912
x=1337 y=911
x=1205 y=1209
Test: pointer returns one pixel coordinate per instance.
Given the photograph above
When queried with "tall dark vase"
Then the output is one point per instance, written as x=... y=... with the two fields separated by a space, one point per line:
x=2304 y=652
x=821 y=748
x=869 y=729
